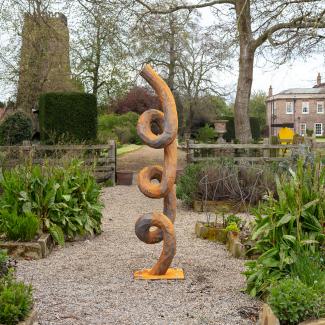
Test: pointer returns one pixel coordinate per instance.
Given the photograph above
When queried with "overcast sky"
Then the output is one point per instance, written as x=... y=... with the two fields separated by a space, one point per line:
x=299 y=74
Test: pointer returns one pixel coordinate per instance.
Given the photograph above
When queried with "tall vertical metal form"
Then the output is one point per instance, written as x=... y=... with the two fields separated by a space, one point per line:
x=165 y=188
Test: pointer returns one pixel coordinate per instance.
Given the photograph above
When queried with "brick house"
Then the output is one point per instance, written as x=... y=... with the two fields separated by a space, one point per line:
x=297 y=108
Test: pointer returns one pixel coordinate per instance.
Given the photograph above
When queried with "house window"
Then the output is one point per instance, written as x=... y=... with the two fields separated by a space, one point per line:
x=303 y=129
x=289 y=108
x=273 y=108
x=320 y=107
x=318 y=129
x=305 y=108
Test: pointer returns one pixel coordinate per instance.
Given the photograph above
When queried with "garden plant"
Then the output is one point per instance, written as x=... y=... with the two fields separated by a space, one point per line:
x=62 y=201
x=16 y=299
x=289 y=234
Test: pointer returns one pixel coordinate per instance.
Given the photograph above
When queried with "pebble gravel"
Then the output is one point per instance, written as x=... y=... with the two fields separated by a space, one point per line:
x=91 y=282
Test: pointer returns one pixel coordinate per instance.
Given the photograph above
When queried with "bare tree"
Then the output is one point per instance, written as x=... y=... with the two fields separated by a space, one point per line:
x=98 y=50
x=286 y=24
x=199 y=65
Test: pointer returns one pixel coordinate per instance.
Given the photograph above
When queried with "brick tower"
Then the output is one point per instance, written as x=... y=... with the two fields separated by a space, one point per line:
x=44 y=59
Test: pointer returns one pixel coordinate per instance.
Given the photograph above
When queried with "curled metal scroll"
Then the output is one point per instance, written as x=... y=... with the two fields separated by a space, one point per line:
x=165 y=188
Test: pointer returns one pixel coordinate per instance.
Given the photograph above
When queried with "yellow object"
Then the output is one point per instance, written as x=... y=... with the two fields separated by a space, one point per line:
x=171 y=274
x=286 y=135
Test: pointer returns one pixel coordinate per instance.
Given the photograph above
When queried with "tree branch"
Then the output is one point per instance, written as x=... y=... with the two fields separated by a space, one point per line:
x=182 y=7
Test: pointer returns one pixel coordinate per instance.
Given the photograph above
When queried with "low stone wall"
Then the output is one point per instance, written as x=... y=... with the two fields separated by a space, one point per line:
x=29 y=250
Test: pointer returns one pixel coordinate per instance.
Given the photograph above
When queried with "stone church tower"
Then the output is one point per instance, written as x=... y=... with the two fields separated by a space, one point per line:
x=44 y=59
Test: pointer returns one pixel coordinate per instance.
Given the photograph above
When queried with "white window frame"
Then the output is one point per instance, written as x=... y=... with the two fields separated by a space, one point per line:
x=322 y=104
x=289 y=105
x=303 y=130
x=305 y=105
x=318 y=135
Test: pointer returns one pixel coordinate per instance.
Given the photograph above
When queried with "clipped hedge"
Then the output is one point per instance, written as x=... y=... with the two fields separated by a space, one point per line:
x=68 y=115
x=230 y=134
x=15 y=129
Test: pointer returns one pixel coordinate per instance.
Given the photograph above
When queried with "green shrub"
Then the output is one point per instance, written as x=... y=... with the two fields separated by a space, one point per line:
x=23 y=227
x=69 y=114
x=230 y=134
x=232 y=226
x=65 y=200
x=15 y=129
x=206 y=134
x=6 y=263
x=232 y=218
x=293 y=301
x=187 y=188
x=119 y=127
x=287 y=225
x=15 y=300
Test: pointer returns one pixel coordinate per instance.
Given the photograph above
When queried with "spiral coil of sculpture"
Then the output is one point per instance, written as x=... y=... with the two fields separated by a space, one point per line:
x=168 y=124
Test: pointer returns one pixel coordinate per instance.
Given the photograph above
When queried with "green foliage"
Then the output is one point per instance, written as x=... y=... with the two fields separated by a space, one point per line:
x=232 y=218
x=232 y=226
x=257 y=108
x=287 y=225
x=205 y=134
x=187 y=184
x=15 y=300
x=72 y=114
x=23 y=227
x=65 y=200
x=293 y=301
x=119 y=127
x=15 y=129
x=230 y=134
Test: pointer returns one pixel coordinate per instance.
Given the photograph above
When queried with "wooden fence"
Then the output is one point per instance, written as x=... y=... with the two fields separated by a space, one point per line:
x=248 y=152
x=101 y=158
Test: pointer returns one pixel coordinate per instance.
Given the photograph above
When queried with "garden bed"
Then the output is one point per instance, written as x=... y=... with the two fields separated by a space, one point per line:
x=29 y=250
x=267 y=317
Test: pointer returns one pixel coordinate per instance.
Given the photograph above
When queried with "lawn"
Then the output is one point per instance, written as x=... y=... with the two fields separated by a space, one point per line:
x=127 y=148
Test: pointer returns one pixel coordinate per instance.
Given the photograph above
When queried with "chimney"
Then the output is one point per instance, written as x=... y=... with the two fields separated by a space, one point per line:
x=270 y=91
x=319 y=79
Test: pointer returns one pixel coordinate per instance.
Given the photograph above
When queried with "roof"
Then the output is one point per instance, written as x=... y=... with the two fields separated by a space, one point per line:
x=294 y=91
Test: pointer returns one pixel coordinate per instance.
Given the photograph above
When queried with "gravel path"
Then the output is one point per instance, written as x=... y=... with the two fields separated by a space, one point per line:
x=136 y=160
x=91 y=282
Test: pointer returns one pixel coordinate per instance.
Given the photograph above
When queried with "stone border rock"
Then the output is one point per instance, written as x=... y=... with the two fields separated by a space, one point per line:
x=212 y=233
x=30 y=250
x=234 y=246
x=31 y=320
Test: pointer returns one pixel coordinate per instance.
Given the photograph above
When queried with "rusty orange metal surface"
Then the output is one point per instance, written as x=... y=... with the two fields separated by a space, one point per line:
x=166 y=174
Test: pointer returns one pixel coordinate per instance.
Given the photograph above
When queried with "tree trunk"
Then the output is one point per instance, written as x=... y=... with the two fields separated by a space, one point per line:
x=172 y=55
x=245 y=78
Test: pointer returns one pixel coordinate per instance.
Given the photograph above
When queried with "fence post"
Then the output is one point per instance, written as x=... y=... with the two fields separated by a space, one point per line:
x=266 y=152
x=189 y=151
x=113 y=154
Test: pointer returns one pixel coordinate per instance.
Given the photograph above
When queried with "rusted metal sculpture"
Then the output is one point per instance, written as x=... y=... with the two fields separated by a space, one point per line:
x=165 y=188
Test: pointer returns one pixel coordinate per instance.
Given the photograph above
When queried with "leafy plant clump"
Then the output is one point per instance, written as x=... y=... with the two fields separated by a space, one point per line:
x=293 y=301
x=15 y=300
x=232 y=226
x=15 y=129
x=287 y=226
x=24 y=227
x=6 y=263
x=122 y=128
x=62 y=201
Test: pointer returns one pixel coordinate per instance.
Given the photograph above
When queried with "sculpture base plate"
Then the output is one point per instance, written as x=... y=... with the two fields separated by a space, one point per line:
x=171 y=274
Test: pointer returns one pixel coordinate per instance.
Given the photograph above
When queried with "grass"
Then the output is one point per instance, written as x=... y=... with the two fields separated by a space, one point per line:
x=126 y=148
